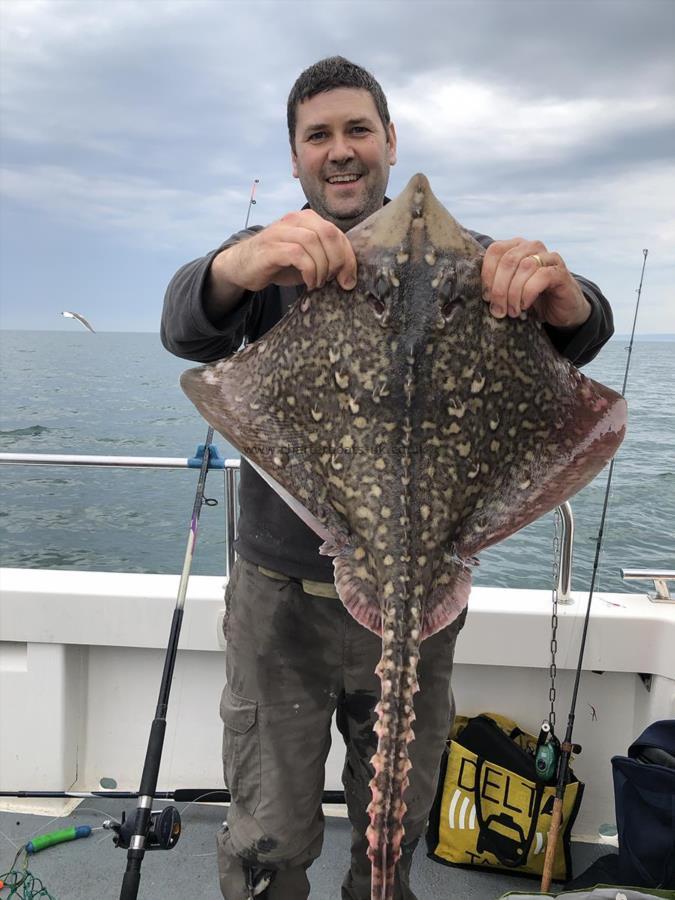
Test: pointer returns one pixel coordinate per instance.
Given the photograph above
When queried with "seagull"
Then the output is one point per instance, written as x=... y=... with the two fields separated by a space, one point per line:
x=74 y=315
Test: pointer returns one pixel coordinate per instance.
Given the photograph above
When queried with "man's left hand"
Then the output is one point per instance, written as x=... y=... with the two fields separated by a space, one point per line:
x=520 y=274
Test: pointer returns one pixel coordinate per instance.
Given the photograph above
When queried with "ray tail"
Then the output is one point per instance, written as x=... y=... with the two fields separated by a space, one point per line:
x=391 y=763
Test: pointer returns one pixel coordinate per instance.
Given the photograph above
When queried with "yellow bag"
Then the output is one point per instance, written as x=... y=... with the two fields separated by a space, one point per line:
x=490 y=811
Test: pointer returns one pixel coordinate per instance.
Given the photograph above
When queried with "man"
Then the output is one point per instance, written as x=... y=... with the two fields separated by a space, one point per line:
x=294 y=655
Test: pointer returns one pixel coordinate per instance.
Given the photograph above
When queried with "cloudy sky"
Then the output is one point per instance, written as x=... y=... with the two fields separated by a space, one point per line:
x=132 y=131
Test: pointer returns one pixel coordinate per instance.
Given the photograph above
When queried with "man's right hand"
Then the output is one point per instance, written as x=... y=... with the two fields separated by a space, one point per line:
x=299 y=248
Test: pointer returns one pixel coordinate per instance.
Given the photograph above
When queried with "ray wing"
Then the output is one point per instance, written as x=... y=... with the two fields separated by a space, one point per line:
x=274 y=403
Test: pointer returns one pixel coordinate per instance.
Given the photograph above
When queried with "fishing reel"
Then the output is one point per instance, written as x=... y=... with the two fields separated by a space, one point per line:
x=163 y=832
x=547 y=754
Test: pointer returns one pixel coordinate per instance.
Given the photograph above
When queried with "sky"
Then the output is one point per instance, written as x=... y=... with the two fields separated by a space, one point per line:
x=131 y=132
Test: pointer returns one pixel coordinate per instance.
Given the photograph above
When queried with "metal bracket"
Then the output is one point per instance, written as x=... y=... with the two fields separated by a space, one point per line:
x=660 y=577
x=216 y=461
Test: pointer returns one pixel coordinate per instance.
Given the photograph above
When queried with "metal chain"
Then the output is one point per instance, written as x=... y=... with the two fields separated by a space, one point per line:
x=554 y=616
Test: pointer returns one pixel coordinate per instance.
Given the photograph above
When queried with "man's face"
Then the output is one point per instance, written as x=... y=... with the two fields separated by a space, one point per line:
x=340 y=133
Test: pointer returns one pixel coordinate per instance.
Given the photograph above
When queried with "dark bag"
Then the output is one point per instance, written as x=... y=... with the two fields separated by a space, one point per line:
x=644 y=796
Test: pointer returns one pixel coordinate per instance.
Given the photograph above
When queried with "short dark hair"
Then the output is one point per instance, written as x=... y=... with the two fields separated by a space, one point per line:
x=326 y=75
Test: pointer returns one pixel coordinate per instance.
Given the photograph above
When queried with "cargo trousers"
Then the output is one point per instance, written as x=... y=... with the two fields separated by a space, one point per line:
x=293 y=660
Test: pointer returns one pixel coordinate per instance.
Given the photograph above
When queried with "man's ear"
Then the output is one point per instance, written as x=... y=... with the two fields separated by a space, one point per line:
x=294 y=164
x=391 y=141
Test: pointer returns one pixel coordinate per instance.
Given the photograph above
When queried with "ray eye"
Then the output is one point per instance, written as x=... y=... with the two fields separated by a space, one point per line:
x=380 y=293
x=383 y=287
x=451 y=304
x=446 y=294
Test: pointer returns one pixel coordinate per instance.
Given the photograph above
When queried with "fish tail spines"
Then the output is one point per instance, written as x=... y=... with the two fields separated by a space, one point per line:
x=391 y=762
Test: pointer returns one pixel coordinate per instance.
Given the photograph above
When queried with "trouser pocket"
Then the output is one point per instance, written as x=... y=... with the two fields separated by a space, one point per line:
x=241 y=748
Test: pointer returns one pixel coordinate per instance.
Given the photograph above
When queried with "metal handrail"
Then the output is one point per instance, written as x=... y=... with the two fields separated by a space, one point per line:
x=564 y=586
x=132 y=462
x=660 y=577
x=231 y=468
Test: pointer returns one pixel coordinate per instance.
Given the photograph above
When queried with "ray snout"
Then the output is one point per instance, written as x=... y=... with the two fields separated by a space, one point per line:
x=415 y=221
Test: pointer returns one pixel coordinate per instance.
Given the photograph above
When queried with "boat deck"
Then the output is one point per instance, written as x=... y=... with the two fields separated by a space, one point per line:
x=92 y=868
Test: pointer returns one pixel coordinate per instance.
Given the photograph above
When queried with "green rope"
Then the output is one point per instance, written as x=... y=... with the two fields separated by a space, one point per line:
x=21 y=883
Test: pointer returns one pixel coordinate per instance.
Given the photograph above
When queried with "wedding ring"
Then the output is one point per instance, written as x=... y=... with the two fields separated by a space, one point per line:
x=538 y=258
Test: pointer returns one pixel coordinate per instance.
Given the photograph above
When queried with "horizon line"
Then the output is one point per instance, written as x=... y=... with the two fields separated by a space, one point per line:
x=666 y=335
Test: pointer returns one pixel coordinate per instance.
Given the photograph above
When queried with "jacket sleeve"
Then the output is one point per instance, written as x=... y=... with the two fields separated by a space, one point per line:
x=580 y=345
x=186 y=331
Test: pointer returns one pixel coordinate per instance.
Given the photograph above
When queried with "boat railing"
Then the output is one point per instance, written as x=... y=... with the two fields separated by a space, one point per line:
x=660 y=578
x=230 y=468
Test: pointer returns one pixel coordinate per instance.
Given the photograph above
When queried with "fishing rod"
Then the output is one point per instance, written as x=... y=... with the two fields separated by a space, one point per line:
x=180 y=795
x=153 y=830
x=567 y=746
x=252 y=201
x=160 y=829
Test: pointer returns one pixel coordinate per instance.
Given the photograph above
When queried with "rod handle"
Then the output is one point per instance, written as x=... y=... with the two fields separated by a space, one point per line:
x=551 y=845
x=131 y=881
x=57 y=837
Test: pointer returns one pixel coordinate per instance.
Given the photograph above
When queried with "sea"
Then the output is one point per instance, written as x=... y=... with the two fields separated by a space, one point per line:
x=118 y=394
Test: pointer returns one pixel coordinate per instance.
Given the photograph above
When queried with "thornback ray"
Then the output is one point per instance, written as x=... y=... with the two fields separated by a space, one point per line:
x=411 y=429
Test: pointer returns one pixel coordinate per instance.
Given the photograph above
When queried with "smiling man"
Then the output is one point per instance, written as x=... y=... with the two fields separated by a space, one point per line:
x=295 y=657
x=342 y=148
